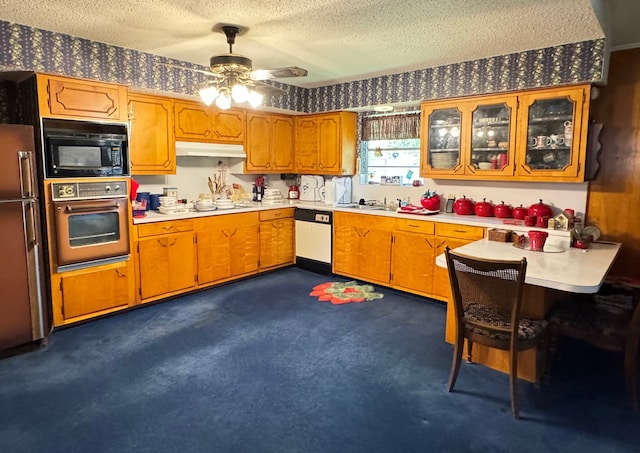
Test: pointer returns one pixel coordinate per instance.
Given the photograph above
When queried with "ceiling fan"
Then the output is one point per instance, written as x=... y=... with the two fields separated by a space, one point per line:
x=234 y=79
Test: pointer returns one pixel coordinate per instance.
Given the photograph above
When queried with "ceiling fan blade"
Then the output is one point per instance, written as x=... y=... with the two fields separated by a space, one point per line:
x=185 y=68
x=278 y=73
x=268 y=90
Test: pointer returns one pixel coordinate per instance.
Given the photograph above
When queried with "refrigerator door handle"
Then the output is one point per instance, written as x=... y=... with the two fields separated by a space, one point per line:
x=26 y=173
x=30 y=223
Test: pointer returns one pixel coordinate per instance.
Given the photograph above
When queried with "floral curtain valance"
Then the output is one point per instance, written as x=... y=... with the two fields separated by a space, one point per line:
x=391 y=127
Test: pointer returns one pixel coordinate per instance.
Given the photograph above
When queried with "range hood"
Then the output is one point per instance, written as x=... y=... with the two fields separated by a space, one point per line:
x=210 y=149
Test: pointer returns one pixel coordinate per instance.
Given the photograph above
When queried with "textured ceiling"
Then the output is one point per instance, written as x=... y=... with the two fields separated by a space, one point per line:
x=336 y=40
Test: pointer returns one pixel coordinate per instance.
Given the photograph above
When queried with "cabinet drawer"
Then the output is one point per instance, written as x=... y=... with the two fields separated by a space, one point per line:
x=173 y=226
x=459 y=231
x=273 y=214
x=414 y=225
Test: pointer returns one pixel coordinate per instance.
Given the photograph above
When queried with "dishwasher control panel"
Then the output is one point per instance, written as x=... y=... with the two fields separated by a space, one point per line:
x=323 y=218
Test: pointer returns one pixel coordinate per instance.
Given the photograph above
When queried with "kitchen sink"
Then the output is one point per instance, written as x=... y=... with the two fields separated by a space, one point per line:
x=367 y=207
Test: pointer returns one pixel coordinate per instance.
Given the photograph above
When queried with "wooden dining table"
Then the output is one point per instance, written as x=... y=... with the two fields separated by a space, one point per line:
x=552 y=275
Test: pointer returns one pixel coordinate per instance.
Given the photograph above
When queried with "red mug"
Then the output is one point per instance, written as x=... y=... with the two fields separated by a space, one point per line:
x=530 y=220
x=542 y=221
x=537 y=238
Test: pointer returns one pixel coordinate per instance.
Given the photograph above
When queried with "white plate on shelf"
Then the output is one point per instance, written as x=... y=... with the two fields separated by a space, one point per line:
x=225 y=206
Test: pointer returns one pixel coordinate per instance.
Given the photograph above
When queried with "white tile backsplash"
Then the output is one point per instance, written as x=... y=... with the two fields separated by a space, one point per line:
x=192 y=174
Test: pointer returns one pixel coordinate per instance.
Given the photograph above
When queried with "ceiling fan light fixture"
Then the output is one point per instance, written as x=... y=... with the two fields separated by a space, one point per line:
x=254 y=99
x=223 y=101
x=239 y=93
x=208 y=94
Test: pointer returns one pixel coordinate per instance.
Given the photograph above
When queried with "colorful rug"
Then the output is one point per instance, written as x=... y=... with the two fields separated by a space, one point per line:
x=344 y=292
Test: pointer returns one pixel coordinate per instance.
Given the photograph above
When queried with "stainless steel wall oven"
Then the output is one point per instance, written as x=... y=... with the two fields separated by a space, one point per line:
x=91 y=222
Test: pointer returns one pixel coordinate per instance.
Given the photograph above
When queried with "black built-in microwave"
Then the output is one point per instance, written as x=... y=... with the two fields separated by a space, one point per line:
x=78 y=149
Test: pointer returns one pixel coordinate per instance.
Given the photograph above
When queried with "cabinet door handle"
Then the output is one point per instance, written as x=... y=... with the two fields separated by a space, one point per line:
x=174 y=242
x=413 y=226
x=167 y=228
x=162 y=243
x=120 y=274
x=460 y=231
x=232 y=233
x=428 y=242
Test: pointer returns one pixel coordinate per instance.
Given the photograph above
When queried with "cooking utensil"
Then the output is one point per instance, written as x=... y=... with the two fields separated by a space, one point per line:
x=519 y=212
x=463 y=206
x=502 y=211
x=483 y=208
x=540 y=210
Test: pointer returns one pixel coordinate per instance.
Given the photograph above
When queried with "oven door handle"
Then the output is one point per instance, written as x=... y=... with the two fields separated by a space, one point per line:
x=101 y=208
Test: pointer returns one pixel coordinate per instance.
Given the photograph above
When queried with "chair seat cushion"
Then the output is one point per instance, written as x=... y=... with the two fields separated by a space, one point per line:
x=528 y=328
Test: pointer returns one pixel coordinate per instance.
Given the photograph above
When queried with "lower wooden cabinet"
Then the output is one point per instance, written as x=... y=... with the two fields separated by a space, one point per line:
x=399 y=253
x=276 y=238
x=452 y=235
x=166 y=258
x=227 y=246
x=90 y=292
x=362 y=246
x=413 y=256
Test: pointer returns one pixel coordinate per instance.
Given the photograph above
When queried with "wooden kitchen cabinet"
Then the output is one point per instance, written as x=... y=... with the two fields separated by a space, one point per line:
x=494 y=137
x=227 y=246
x=452 y=235
x=269 y=143
x=152 y=145
x=325 y=144
x=65 y=97
x=197 y=122
x=166 y=258
x=192 y=121
x=362 y=246
x=229 y=125
x=552 y=134
x=276 y=238
x=86 y=293
x=413 y=256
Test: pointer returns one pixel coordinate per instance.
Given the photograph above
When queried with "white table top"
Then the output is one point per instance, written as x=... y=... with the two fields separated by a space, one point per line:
x=573 y=270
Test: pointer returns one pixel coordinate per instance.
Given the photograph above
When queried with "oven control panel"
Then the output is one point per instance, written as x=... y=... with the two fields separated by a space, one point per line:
x=87 y=190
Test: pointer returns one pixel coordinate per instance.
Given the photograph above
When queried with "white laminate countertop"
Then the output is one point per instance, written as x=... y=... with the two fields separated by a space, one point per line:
x=471 y=220
x=573 y=270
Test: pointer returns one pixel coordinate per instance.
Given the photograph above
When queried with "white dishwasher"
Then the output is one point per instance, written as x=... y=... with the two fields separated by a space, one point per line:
x=313 y=239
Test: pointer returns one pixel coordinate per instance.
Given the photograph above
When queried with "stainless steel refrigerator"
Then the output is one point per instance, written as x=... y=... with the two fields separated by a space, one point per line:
x=23 y=313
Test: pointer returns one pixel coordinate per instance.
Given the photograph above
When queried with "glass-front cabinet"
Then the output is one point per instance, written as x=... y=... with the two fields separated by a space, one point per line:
x=550 y=136
x=492 y=137
x=472 y=137
x=440 y=139
x=530 y=136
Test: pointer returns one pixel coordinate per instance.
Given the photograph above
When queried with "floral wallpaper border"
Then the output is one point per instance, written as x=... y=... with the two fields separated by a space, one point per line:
x=24 y=48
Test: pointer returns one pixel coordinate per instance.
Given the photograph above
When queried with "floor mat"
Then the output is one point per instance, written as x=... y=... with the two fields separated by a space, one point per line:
x=344 y=292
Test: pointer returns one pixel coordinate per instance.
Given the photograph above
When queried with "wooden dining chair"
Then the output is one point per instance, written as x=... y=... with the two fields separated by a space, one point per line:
x=608 y=320
x=487 y=301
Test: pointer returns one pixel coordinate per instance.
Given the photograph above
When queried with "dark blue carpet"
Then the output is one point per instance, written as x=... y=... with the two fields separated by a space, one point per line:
x=260 y=366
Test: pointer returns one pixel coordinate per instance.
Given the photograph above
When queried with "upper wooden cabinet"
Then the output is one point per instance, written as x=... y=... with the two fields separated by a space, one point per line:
x=269 y=144
x=552 y=134
x=326 y=143
x=197 y=122
x=64 y=97
x=151 y=146
x=534 y=136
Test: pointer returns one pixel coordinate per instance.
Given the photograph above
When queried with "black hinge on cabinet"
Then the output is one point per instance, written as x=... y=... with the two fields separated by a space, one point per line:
x=140 y=291
x=195 y=238
x=138 y=247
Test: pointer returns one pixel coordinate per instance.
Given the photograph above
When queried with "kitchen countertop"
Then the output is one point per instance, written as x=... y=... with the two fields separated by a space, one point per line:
x=574 y=270
x=559 y=237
